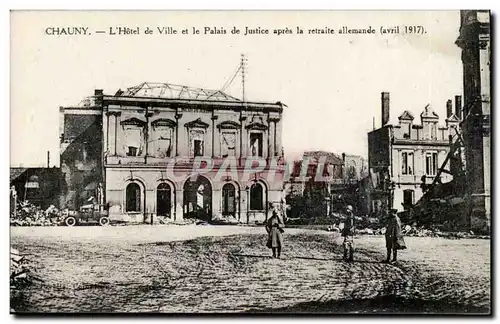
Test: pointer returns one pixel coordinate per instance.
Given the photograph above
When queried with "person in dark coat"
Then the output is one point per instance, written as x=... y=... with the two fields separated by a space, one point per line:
x=348 y=235
x=274 y=228
x=393 y=237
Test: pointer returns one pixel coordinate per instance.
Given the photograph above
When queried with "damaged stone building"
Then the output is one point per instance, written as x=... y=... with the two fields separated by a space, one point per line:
x=137 y=151
x=403 y=156
x=355 y=168
x=475 y=42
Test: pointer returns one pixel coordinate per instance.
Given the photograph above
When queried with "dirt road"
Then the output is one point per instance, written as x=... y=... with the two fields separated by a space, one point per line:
x=201 y=269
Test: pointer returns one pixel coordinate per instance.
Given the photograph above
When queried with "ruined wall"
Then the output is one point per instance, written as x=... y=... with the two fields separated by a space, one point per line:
x=81 y=156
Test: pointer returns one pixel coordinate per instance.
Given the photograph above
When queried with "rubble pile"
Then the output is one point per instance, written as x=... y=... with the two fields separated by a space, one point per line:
x=21 y=276
x=165 y=220
x=224 y=220
x=421 y=231
x=27 y=214
x=18 y=270
x=375 y=228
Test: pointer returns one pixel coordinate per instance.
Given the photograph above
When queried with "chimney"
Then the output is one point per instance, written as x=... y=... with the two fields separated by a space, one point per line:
x=385 y=108
x=449 y=108
x=48 y=159
x=98 y=92
x=458 y=107
x=343 y=157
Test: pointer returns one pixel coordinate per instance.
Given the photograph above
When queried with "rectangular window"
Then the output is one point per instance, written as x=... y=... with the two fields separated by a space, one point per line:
x=228 y=145
x=376 y=206
x=256 y=144
x=196 y=142
x=408 y=198
x=407 y=163
x=163 y=144
x=164 y=148
x=434 y=163
x=133 y=141
x=198 y=147
x=433 y=127
x=408 y=132
x=132 y=151
x=431 y=163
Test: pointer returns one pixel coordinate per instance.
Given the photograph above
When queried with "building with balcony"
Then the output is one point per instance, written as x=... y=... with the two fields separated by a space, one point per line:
x=402 y=157
x=163 y=150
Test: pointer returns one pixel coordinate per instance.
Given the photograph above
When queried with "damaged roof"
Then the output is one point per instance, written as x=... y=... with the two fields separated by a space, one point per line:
x=331 y=158
x=16 y=173
x=174 y=91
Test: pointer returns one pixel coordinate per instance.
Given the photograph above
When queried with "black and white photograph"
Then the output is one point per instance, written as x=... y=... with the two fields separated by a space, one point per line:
x=325 y=162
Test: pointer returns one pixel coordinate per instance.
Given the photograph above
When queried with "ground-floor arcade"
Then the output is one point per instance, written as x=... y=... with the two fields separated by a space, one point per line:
x=143 y=194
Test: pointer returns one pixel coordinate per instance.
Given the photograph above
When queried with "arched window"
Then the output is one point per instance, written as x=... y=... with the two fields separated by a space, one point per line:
x=228 y=199
x=163 y=199
x=256 y=197
x=133 y=199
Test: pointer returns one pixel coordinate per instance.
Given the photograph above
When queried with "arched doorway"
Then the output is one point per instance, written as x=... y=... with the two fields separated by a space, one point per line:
x=163 y=200
x=133 y=198
x=198 y=198
x=229 y=200
x=257 y=197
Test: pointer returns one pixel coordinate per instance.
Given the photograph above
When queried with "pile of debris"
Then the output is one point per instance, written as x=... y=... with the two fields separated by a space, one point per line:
x=27 y=214
x=411 y=230
x=21 y=277
x=18 y=270
x=434 y=232
x=421 y=231
x=224 y=220
x=165 y=220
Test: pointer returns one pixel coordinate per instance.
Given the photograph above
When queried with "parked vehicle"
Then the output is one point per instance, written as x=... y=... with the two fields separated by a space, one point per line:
x=88 y=214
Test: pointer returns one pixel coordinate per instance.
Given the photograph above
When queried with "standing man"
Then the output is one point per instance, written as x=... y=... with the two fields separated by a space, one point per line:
x=348 y=235
x=393 y=237
x=274 y=228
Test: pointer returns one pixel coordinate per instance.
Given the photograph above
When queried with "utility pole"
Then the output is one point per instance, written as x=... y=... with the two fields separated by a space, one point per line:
x=242 y=118
x=26 y=185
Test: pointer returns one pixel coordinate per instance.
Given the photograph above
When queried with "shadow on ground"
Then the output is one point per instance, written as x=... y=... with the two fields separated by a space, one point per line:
x=379 y=305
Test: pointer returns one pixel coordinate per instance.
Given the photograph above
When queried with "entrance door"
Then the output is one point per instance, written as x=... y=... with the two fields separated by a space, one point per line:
x=228 y=200
x=198 y=198
x=163 y=200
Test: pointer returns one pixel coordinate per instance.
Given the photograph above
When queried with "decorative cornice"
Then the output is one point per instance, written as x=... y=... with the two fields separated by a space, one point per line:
x=113 y=113
x=256 y=126
x=133 y=121
x=228 y=124
x=163 y=122
x=197 y=123
x=453 y=119
x=429 y=113
x=406 y=115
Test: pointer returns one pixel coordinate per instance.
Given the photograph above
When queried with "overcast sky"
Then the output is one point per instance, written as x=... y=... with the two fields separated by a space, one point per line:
x=331 y=83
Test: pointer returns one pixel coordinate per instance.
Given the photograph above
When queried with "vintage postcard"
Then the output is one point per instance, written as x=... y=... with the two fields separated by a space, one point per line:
x=250 y=162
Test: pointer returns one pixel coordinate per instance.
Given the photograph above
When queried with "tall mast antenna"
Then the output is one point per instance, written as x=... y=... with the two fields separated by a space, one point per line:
x=243 y=76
